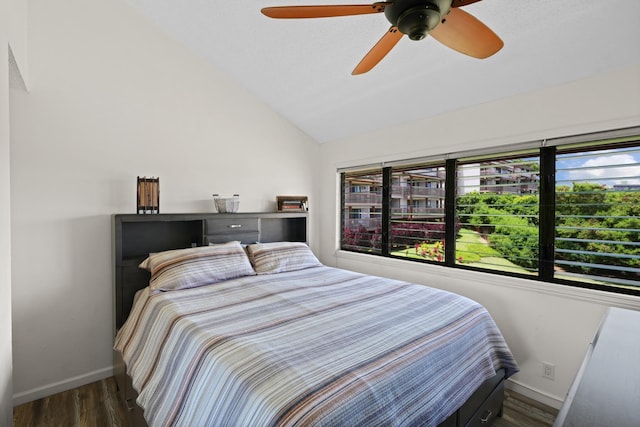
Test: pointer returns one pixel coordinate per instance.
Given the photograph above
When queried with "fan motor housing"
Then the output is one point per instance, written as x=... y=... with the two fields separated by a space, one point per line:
x=416 y=18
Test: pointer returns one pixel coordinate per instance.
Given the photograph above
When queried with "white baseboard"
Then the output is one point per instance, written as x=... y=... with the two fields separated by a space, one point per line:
x=100 y=374
x=535 y=394
x=57 y=387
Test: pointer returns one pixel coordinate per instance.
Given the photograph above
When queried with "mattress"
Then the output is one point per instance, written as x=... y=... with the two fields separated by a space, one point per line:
x=313 y=347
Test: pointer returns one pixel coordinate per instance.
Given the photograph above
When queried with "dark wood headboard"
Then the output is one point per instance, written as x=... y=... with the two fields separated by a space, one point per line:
x=136 y=236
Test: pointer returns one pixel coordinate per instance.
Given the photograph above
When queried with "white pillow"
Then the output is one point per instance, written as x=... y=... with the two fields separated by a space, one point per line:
x=279 y=257
x=192 y=267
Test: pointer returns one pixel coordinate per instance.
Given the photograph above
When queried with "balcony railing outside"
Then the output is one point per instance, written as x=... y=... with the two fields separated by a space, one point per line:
x=417 y=212
x=364 y=198
x=398 y=191
x=368 y=223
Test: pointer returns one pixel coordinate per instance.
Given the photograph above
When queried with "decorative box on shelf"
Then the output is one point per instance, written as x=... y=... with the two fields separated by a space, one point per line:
x=226 y=204
x=148 y=197
x=292 y=203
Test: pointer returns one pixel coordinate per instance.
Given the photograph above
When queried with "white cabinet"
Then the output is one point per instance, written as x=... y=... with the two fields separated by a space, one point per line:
x=606 y=390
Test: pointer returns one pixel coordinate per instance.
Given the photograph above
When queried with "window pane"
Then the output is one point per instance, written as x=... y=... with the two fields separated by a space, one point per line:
x=417 y=212
x=362 y=212
x=497 y=212
x=598 y=217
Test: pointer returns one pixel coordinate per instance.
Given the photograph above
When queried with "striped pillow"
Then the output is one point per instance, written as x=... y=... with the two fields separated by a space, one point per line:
x=192 y=267
x=279 y=257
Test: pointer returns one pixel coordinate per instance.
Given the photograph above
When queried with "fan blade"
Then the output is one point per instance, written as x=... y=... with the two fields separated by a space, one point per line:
x=324 y=11
x=463 y=32
x=460 y=3
x=379 y=51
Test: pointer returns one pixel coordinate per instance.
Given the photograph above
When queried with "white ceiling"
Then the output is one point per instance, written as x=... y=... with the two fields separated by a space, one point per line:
x=302 y=68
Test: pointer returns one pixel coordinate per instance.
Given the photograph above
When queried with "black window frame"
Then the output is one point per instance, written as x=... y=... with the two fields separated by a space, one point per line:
x=547 y=210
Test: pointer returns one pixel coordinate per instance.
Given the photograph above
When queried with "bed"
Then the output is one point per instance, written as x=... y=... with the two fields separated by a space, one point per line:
x=266 y=335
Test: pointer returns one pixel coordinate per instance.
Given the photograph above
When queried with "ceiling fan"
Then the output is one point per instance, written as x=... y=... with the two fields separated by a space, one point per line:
x=442 y=19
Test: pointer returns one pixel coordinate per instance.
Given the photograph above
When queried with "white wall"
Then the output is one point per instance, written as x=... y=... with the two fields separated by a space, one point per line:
x=541 y=322
x=12 y=36
x=112 y=98
x=5 y=236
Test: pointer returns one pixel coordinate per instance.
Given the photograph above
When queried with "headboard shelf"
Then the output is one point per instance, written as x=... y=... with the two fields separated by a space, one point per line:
x=136 y=236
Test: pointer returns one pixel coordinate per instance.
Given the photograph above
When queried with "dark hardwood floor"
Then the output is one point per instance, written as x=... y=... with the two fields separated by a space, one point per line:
x=520 y=411
x=97 y=405
x=92 y=405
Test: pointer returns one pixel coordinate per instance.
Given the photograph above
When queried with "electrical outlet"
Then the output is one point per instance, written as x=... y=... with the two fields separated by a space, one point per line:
x=548 y=370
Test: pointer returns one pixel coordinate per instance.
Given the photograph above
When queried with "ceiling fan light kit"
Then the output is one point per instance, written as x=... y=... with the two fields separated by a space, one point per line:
x=442 y=19
x=415 y=18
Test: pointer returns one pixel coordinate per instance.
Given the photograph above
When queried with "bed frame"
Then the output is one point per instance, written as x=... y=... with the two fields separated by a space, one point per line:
x=135 y=236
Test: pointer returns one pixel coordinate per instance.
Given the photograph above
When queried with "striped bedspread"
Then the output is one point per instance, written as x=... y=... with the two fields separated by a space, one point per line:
x=314 y=347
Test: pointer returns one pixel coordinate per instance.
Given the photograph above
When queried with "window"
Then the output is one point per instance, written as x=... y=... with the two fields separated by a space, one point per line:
x=497 y=210
x=417 y=216
x=565 y=211
x=362 y=211
x=598 y=216
x=355 y=213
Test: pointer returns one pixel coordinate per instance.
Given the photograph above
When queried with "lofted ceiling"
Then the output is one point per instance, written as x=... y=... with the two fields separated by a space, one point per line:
x=302 y=68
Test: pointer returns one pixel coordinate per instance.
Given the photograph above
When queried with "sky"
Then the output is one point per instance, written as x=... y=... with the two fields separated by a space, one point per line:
x=608 y=167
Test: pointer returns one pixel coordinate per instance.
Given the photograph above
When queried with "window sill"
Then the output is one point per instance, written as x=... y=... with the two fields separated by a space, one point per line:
x=609 y=299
